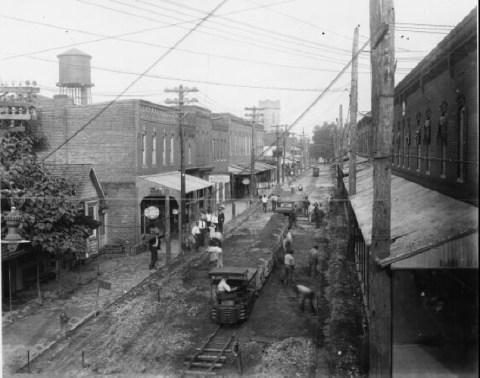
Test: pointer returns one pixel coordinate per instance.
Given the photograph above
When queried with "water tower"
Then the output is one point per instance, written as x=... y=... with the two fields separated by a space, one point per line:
x=74 y=76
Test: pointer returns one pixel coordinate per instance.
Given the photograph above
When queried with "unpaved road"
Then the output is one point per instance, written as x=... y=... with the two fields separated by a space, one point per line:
x=152 y=329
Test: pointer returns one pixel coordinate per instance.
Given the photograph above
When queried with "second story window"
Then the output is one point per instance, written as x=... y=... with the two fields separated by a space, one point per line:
x=189 y=155
x=172 y=151
x=164 y=151
x=154 y=149
x=144 y=148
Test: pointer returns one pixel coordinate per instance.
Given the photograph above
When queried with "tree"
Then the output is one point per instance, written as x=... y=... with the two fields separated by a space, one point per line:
x=323 y=141
x=50 y=216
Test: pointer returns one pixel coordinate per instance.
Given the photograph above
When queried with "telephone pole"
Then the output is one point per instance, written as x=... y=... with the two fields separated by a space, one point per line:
x=253 y=116
x=278 y=156
x=352 y=169
x=181 y=102
x=380 y=284
x=340 y=144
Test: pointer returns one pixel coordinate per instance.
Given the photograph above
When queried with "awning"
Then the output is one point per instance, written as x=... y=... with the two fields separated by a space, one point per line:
x=243 y=169
x=171 y=181
x=429 y=230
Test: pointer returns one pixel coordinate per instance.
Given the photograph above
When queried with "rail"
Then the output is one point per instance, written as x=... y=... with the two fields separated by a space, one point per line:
x=212 y=354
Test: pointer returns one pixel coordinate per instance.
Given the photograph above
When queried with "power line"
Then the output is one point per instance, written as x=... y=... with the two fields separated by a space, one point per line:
x=275 y=33
x=268 y=46
x=378 y=32
x=117 y=37
x=137 y=79
x=233 y=85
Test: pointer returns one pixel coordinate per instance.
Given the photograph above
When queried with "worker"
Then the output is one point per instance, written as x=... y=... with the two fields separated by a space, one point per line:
x=223 y=287
x=289 y=266
x=305 y=294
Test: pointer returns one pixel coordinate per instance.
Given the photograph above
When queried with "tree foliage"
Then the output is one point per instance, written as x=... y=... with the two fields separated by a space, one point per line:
x=323 y=141
x=45 y=200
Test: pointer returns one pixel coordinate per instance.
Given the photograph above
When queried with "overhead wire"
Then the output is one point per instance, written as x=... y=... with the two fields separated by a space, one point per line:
x=112 y=36
x=192 y=30
x=218 y=83
x=271 y=33
x=318 y=98
x=261 y=44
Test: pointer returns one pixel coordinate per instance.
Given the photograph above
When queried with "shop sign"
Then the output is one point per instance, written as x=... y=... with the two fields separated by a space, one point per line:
x=219 y=178
x=246 y=181
x=152 y=212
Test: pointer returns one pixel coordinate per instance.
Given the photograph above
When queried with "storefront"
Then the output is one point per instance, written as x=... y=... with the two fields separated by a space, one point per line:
x=153 y=190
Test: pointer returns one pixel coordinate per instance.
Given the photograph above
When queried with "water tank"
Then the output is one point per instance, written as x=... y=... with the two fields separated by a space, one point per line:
x=74 y=69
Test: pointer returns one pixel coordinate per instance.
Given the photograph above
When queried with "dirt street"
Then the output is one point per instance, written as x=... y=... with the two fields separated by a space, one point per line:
x=153 y=328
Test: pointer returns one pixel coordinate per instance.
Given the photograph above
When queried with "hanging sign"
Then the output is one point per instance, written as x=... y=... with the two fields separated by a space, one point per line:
x=152 y=212
x=219 y=178
x=246 y=181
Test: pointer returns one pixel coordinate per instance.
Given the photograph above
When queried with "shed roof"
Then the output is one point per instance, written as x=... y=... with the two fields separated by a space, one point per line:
x=79 y=174
x=421 y=218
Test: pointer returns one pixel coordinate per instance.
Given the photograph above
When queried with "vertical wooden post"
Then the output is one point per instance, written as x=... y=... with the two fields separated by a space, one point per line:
x=278 y=156
x=379 y=291
x=352 y=169
x=10 y=290
x=168 y=252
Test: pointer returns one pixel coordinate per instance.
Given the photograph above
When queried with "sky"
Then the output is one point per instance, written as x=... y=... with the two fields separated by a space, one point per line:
x=249 y=50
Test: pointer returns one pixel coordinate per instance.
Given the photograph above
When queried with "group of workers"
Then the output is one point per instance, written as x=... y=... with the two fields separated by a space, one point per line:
x=315 y=257
x=207 y=227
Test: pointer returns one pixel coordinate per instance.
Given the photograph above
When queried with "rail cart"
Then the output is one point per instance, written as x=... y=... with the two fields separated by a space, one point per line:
x=235 y=306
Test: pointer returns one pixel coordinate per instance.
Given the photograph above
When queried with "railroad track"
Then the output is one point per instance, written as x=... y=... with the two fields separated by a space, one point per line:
x=221 y=347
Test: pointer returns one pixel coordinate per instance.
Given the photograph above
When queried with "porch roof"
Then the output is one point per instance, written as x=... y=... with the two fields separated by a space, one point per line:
x=442 y=229
x=171 y=181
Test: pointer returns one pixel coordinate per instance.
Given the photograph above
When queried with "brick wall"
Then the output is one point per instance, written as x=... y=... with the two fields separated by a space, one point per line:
x=445 y=93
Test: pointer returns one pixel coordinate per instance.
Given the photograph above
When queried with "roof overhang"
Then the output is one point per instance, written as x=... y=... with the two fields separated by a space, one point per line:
x=169 y=181
x=428 y=229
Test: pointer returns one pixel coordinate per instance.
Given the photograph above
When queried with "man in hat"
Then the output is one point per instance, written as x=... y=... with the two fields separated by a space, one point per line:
x=221 y=219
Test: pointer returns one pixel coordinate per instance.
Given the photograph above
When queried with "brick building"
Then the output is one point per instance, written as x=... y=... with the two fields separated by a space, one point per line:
x=435 y=135
x=433 y=256
x=237 y=141
x=134 y=147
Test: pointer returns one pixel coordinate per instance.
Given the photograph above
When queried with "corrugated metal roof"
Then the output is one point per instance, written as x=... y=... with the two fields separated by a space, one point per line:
x=172 y=181
x=421 y=218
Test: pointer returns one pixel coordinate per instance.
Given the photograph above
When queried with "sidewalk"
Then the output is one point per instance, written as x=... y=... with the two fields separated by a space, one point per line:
x=35 y=328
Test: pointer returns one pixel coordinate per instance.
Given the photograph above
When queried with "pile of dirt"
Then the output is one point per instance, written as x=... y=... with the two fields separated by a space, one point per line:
x=292 y=357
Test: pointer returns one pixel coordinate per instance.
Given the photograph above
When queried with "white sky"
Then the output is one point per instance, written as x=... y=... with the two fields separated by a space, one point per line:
x=259 y=49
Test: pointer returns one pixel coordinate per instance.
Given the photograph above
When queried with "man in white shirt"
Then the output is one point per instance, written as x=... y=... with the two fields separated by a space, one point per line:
x=305 y=294
x=264 y=203
x=223 y=286
x=196 y=235
x=208 y=217
x=289 y=264
x=215 y=220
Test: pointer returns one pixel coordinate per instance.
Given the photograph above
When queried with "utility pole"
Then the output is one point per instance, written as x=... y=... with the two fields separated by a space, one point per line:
x=278 y=156
x=253 y=115
x=352 y=169
x=380 y=284
x=340 y=144
x=285 y=134
x=180 y=102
